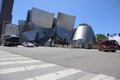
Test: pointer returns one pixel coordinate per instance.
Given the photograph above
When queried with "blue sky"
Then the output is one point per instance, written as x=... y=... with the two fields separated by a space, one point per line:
x=102 y=15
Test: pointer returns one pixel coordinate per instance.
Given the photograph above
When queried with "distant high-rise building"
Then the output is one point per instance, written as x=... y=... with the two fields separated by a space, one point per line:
x=6 y=7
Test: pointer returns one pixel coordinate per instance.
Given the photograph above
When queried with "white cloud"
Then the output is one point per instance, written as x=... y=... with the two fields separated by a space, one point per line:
x=117 y=38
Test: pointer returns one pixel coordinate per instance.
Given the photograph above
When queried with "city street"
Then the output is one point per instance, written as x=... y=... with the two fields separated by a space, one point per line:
x=89 y=60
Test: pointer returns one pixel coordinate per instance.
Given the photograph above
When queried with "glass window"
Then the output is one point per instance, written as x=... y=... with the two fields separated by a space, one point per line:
x=1 y=5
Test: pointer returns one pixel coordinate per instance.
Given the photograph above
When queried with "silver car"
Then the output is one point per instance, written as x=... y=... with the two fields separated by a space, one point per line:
x=28 y=44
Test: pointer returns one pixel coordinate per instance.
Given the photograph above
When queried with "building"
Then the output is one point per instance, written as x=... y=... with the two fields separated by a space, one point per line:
x=10 y=30
x=37 y=27
x=85 y=33
x=64 y=28
x=41 y=26
x=6 y=7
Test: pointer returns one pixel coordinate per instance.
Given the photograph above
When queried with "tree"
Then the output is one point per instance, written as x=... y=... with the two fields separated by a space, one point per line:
x=88 y=45
x=101 y=37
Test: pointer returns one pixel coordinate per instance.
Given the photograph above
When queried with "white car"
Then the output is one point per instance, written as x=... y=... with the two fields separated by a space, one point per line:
x=28 y=44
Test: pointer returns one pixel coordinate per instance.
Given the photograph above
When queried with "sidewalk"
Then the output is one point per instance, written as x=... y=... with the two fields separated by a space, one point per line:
x=17 y=67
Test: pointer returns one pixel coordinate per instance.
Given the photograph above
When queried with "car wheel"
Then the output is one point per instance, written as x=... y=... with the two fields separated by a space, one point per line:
x=113 y=50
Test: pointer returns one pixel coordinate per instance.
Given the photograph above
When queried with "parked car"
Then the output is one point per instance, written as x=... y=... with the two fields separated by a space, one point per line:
x=11 y=40
x=28 y=44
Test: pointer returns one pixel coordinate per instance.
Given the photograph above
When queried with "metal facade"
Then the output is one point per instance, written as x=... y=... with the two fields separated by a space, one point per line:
x=38 y=23
x=65 y=21
x=40 y=18
x=85 y=33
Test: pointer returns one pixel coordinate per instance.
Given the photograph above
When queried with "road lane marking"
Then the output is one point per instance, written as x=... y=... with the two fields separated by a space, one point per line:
x=26 y=68
x=11 y=70
x=102 y=77
x=40 y=66
x=49 y=76
x=14 y=58
x=19 y=62
x=56 y=75
x=10 y=55
x=88 y=76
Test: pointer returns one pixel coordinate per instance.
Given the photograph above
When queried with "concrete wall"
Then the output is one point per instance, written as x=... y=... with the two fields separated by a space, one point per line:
x=10 y=29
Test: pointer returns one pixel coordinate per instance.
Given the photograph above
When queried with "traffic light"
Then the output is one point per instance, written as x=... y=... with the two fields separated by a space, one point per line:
x=108 y=34
x=119 y=34
x=114 y=34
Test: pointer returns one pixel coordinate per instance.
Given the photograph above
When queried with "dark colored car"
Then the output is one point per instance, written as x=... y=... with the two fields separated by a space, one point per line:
x=11 y=40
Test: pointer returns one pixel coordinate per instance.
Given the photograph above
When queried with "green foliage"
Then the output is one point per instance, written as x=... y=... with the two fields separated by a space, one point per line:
x=101 y=37
x=87 y=45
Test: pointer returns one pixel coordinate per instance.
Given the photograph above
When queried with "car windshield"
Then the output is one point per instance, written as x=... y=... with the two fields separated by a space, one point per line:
x=111 y=43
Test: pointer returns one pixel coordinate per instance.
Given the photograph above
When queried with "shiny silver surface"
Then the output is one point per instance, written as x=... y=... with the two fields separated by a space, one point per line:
x=40 y=18
x=65 y=21
x=85 y=33
x=29 y=35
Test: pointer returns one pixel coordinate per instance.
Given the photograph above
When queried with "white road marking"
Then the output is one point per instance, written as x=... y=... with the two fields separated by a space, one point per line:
x=33 y=67
x=10 y=55
x=56 y=75
x=4 y=53
x=102 y=77
x=50 y=76
x=14 y=58
x=11 y=70
x=88 y=76
x=40 y=66
x=19 y=62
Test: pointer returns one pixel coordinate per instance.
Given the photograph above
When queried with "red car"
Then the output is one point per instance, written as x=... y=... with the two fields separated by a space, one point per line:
x=108 y=45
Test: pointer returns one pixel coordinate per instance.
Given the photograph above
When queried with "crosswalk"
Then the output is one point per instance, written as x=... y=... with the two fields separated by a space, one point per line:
x=17 y=67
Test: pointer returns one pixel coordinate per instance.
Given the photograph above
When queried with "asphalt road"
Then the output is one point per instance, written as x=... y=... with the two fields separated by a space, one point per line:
x=89 y=60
